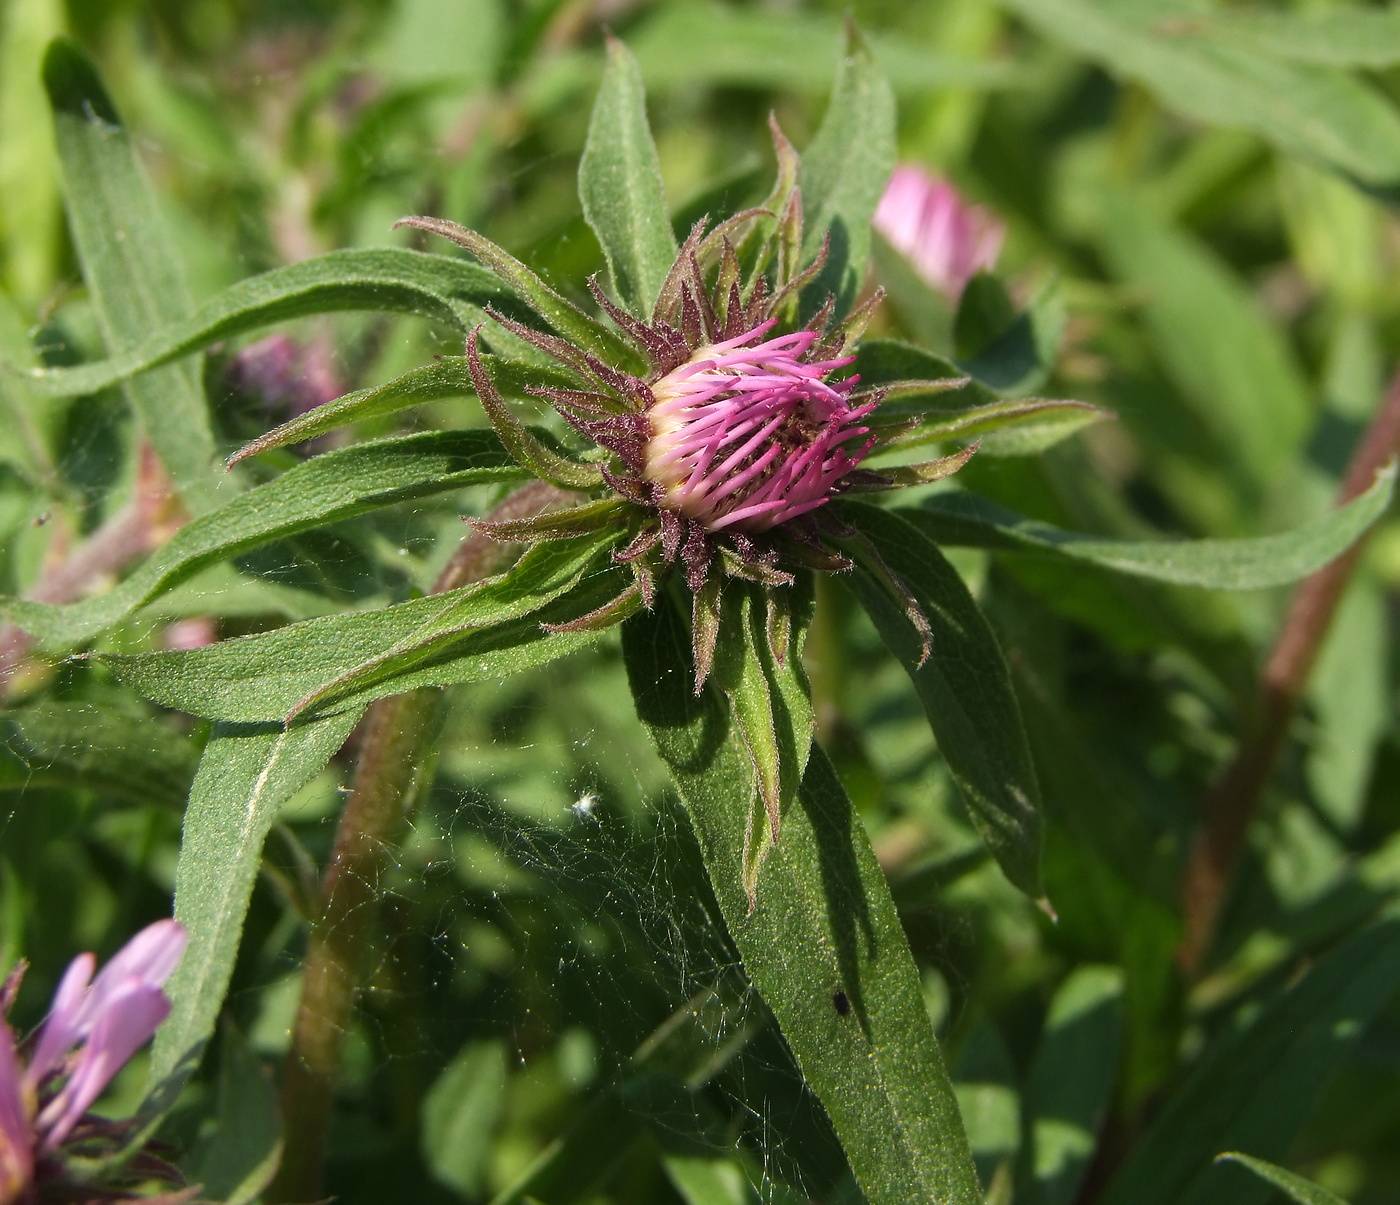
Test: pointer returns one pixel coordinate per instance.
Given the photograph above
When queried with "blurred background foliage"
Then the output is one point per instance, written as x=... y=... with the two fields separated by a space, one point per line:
x=556 y=989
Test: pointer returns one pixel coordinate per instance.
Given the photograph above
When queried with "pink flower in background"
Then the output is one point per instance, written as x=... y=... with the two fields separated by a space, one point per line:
x=746 y=435
x=93 y=1028
x=947 y=240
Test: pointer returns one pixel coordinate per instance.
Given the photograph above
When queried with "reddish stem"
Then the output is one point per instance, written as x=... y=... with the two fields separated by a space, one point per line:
x=1232 y=803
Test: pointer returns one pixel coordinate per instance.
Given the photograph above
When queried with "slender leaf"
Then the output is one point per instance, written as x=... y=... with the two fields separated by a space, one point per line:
x=241 y=1156
x=134 y=276
x=964 y=685
x=1244 y=564
x=481 y=631
x=1303 y=1191
x=1070 y=1084
x=446 y=376
x=619 y=183
x=821 y=941
x=437 y=287
x=247 y=772
x=1340 y=37
x=323 y=490
x=1255 y=1087
x=1318 y=113
x=844 y=173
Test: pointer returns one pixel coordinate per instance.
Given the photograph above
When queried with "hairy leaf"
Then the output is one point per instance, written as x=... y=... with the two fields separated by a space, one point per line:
x=619 y=183
x=964 y=686
x=247 y=772
x=1243 y=564
x=1303 y=1191
x=134 y=276
x=820 y=941
x=844 y=173
x=326 y=489
x=480 y=631
x=386 y=279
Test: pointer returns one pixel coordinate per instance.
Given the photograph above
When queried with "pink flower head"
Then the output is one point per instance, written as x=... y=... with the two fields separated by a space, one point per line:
x=947 y=240
x=93 y=1028
x=744 y=435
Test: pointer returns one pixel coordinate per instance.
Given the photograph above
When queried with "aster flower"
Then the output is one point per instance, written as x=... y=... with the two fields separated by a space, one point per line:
x=49 y=1142
x=723 y=426
x=947 y=240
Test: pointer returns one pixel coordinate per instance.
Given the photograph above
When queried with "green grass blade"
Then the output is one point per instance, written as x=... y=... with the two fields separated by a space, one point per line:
x=1305 y=1192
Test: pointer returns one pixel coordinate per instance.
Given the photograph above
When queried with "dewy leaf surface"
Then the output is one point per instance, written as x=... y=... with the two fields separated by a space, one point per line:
x=480 y=631
x=386 y=279
x=133 y=273
x=844 y=173
x=619 y=183
x=326 y=489
x=822 y=942
x=1243 y=564
x=245 y=775
x=964 y=685
x=1256 y=1087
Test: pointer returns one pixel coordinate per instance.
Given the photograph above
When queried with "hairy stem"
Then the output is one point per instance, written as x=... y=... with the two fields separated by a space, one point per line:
x=396 y=732
x=1232 y=803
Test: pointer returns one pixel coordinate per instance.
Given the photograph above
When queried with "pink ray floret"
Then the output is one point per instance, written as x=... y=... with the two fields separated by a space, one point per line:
x=947 y=240
x=93 y=1028
x=745 y=435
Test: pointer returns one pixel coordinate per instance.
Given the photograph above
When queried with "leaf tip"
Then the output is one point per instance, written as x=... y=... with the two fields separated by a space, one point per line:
x=1044 y=904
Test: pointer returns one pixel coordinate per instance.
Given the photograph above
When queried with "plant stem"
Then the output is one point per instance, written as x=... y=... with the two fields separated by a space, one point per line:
x=1231 y=804
x=387 y=773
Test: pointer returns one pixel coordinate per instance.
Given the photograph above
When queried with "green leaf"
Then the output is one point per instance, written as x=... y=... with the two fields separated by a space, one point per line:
x=723 y=44
x=844 y=172
x=575 y=1166
x=1256 y=1086
x=326 y=489
x=1303 y=1191
x=480 y=631
x=707 y=1179
x=1231 y=365
x=1318 y=113
x=1070 y=1084
x=1010 y=350
x=460 y=1113
x=446 y=376
x=619 y=183
x=1244 y=564
x=134 y=277
x=134 y=757
x=821 y=942
x=240 y=1157
x=1341 y=37
x=246 y=774
x=964 y=686
x=437 y=287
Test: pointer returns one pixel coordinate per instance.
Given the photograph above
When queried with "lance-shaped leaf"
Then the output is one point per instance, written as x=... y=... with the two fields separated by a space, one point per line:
x=565 y=317
x=1305 y=1192
x=963 y=684
x=820 y=940
x=133 y=273
x=446 y=376
x=619 y=183
x=437 y=287
x=327 y=489
x=483 y=630
x=772 y=709
x=245 y=775
x=1255 y=1087
x=1021 y=427
x=1239 y=564
x=844 y=172
x=525 y=448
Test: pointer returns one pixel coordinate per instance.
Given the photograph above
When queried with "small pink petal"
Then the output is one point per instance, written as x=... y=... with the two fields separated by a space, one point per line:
x=59 y=1032
x=946 y=240
x=133 y=1011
